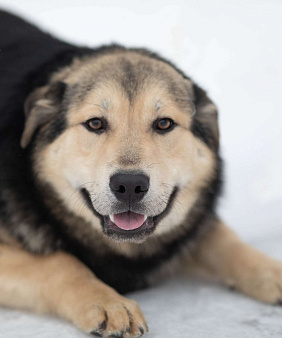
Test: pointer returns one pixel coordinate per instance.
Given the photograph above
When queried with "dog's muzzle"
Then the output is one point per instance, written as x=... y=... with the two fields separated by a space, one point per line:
x=129 y=221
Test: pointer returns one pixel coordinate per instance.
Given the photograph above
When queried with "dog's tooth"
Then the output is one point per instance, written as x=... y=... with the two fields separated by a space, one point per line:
x=145 y=218
x=112 y=218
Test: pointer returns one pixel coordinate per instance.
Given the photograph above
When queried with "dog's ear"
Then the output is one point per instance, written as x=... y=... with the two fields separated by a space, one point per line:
x=205 y=124
x=40 y=106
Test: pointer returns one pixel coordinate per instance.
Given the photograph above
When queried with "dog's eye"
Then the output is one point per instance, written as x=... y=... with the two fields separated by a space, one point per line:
x=96 y=125
x=163 y=125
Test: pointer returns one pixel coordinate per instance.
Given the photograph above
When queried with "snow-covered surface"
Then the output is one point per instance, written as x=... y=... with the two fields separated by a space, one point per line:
x=233 y=49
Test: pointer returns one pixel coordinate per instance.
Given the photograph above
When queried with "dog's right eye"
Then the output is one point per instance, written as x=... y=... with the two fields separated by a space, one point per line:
x=97 y=125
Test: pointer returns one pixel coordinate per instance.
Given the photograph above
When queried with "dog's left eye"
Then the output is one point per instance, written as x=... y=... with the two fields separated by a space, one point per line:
x=163 y=125
x=96 y=125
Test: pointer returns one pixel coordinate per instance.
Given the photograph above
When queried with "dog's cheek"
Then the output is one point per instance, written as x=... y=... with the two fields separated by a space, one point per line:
x=194 y=162
x=176 y=158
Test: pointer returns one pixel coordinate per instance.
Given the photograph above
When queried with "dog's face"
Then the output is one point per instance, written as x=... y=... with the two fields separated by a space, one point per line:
x=116 y=139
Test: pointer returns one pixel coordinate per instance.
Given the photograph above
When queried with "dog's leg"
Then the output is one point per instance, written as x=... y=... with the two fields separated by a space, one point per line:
x=240 y=265
x=61 y=285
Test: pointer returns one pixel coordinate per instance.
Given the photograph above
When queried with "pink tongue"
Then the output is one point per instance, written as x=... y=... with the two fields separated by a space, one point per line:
x=128 y=220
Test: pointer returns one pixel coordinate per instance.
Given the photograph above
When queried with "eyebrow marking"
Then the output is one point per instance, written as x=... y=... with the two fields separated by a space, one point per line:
x=158 y=105
x=105 y=104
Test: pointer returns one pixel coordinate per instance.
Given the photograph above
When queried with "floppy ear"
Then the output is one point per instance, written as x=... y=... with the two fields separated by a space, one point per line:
x=40 y=106
x=205 y=120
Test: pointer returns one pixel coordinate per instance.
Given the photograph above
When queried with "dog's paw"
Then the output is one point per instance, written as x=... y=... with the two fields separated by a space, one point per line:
x=111 y=316
x=262 y=281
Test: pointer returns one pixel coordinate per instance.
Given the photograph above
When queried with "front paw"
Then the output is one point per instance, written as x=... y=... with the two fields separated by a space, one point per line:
x=262 y=280
x=111 y=316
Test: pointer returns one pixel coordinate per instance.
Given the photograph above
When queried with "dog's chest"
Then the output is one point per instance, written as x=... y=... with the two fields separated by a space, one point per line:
x=123 y=273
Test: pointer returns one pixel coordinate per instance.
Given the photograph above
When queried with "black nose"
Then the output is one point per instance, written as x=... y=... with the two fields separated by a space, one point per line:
x=129 y=188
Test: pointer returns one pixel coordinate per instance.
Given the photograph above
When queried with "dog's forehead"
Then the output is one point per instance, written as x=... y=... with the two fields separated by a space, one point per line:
x=114 y=80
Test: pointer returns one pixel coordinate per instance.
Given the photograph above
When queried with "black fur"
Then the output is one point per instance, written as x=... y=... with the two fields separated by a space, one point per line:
x=28 y=57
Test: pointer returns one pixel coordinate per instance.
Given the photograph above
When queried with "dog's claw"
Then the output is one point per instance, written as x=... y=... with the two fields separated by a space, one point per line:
x=102 y=326
x=231 y=288
x=141 y=330
x=278 y=302
x=96 y=333
x=117 y=335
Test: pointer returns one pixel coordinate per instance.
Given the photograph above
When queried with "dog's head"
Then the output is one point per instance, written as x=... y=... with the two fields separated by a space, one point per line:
x=125 y=140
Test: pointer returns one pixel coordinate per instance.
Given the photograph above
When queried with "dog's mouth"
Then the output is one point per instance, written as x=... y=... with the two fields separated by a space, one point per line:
x=129 y=226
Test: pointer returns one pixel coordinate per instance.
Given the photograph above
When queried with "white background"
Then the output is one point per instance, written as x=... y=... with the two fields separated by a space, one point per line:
x=231 y=48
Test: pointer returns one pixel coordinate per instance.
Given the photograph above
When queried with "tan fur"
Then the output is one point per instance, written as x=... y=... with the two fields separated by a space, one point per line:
x=59 y=284
x=240 y=265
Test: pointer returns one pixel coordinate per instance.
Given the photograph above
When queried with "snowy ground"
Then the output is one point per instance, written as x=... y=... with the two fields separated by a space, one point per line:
x=233 y=49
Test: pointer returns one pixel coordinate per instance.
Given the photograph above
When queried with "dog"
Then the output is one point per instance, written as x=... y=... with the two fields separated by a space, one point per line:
x=110 y=173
